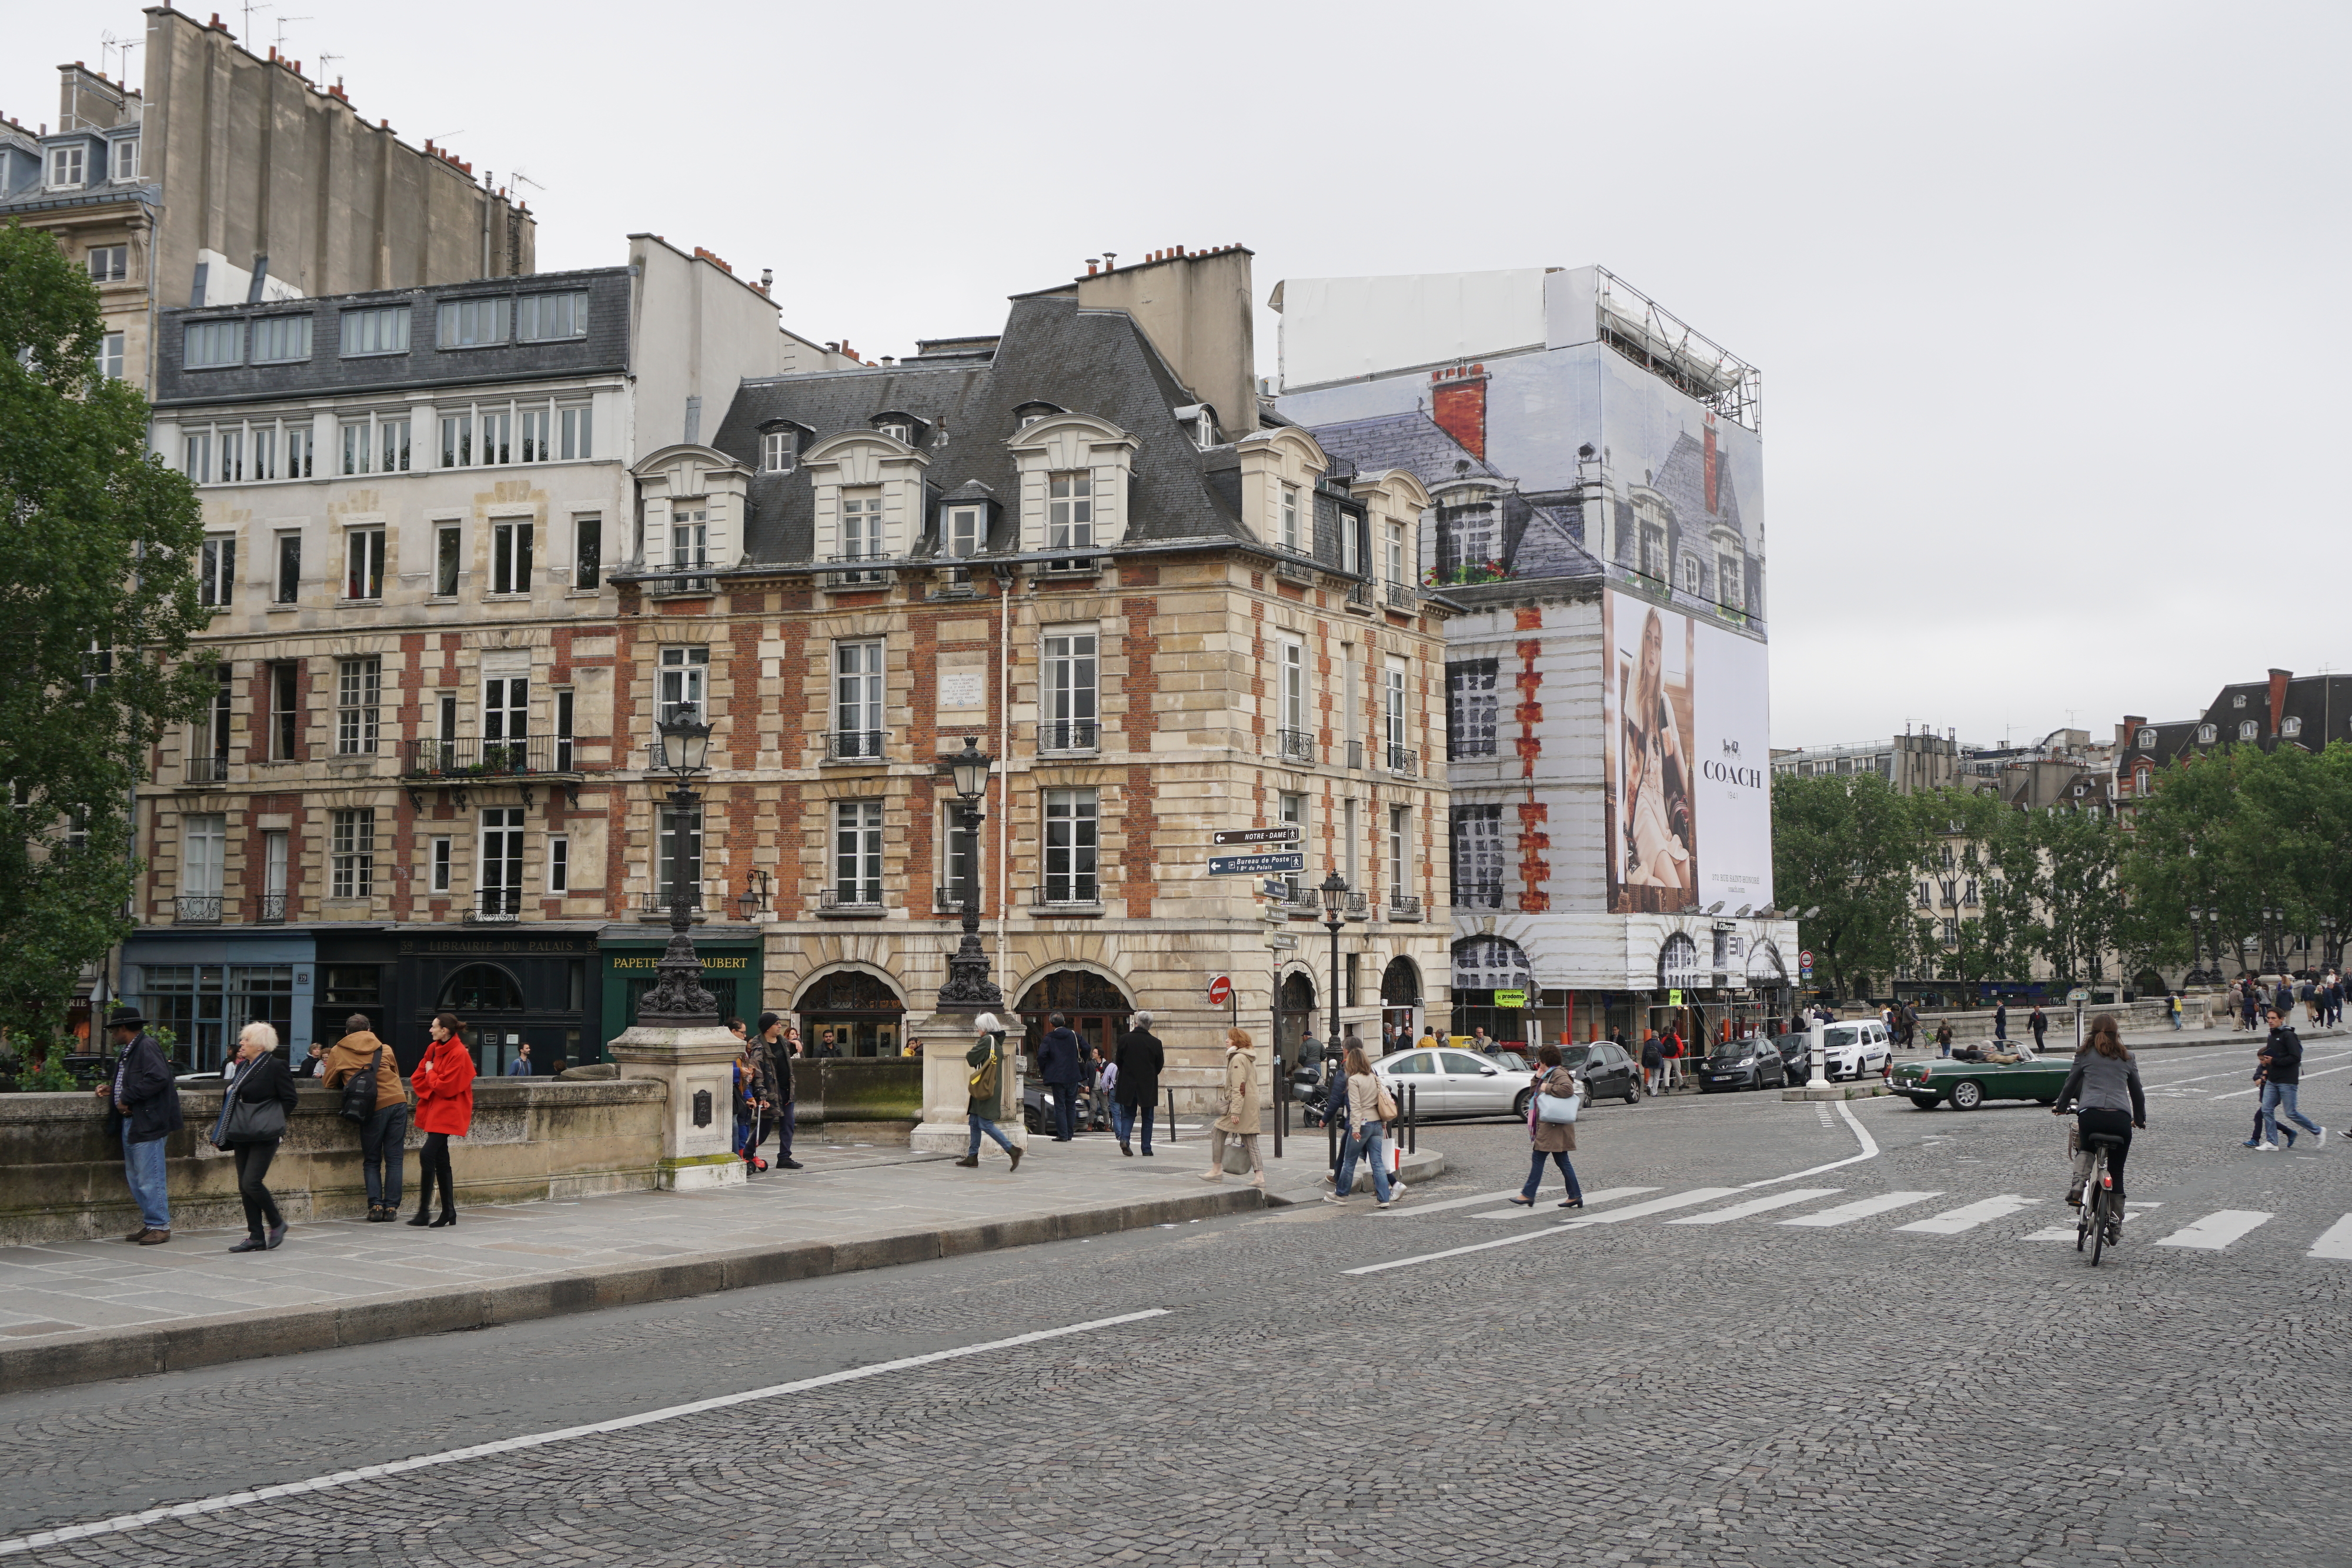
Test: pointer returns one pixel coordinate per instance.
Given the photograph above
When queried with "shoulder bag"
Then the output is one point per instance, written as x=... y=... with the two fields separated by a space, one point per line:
x=1387 y=1107
x=983 y=1078
x=358 y=1094
x=1557 y=1109
x=249 y=1120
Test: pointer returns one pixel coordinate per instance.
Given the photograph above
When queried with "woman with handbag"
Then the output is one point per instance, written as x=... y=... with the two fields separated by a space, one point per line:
x=1551 y=1127
x=375 y=1100
x=984 y=1088
x=254 y=1105
x=1370 y=1108
x=443 y=1082
x=1242 y=1111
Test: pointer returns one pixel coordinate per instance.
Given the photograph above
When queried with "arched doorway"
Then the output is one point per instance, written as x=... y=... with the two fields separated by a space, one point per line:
x=488 y=1000
x=1095 y=1008
x=1295 y=1015
x=850 y=1013
x=1400 y=1003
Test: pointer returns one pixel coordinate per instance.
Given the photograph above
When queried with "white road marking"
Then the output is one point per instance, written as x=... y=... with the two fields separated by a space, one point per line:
x=1697 y=1195
x=2053 y=1233
x=1863 y=1208
x=2217 y=1229
x=1456 y=1202
x=1952 y=1221
x=1757 y=1205
x=543 y=1439
x=2257 y=1088
x=1869 y=1152
x=1655 y=1205
x=1606 y=1194
x=2235 y=1072
x=2335 y=1241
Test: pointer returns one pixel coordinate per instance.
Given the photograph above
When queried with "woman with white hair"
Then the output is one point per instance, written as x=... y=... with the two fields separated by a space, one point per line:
x=259 y=1096
x=986 y=1059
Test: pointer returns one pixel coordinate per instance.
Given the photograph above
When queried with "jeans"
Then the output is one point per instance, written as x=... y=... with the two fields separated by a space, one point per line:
x=1217 y=1136
x=383 y=1138
x=1365 y=1141
x=432 y=1165
x=1066 y=1109
x=1567 y=1171
x=142 y=1168
x=252 y=1167
x=1128 y=1116
x=2175 y=1022
x=2276 y=1095
x=980 y=1125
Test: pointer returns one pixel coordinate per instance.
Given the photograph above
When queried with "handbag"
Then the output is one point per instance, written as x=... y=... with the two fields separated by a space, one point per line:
x=1387 y=1107
x=250 y=1122
x=982 y=1082
x=358 y=1094
x=1559 y=1110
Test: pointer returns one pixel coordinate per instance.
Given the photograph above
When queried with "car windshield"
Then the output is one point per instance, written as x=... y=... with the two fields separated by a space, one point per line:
x=1732 y=1049
x=1573 y=1055
x=1844 y=1034
x=1514 y=1062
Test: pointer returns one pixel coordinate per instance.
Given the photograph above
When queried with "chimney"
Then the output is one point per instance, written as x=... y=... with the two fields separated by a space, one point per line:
x=1457 y=402
x=1711 y=469
x=2279 y=679
x=1200 y=316
x=2128 y=737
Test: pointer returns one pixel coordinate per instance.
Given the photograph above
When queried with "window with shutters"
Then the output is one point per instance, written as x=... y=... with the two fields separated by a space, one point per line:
x=1478 y=857
x=679 y=831
x=1470 y=707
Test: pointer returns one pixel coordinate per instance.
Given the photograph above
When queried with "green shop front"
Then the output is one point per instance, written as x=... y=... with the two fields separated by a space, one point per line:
x=730 y=969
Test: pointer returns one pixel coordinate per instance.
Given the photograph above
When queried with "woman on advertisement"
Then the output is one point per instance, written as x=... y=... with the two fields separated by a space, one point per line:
x=1657 y=773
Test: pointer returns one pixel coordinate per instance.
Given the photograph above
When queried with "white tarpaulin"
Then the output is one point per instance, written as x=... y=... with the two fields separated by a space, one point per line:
x=1340 y=329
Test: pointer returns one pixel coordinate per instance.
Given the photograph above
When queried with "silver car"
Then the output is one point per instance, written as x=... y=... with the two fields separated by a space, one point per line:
x=1457 y=1082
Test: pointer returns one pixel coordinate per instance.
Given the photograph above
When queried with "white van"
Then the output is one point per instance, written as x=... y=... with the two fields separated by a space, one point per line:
x=1857 y=1050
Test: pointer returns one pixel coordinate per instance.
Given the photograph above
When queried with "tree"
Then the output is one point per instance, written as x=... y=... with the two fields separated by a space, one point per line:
x=1848 y=843
x=98 y=606
x=2080 y=896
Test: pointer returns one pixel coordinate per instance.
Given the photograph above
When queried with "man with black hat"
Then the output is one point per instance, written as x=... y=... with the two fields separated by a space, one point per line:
x=776 y=1067
x=142 y=1109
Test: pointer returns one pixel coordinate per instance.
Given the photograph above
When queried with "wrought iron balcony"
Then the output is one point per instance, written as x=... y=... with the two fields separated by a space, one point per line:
x=1405 y=762
x=947 y=901
x=857 y=570
x=1067 y=735
x=206 y=770
x=474 y=758
x=1358 y=906
x=1073 y=565
x=1293 y=569
x=495 y=907
x=850 y=898
x=855 y=745
x=196 y=909
x=1403 y=596
x=1294 y=746
x=273 y=909
x=1360 y=596
x=1404 y=907
x=657 y=901
x=1078 y=896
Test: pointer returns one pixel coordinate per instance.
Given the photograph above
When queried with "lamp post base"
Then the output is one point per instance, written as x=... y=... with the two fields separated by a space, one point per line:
x=697 y=1064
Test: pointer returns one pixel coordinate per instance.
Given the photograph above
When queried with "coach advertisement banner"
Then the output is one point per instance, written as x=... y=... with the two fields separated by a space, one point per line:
x=1686 y=728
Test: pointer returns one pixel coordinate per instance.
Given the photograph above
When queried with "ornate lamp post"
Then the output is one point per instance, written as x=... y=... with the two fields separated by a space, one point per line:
x=1334 y=889
x=969 y=989
x=678 y=999
x=2196 y=976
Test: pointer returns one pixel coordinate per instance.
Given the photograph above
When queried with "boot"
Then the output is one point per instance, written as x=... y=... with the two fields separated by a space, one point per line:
x=423 y=1207
x=448 y=1180
x=969 y=1162
x=1015 y=1152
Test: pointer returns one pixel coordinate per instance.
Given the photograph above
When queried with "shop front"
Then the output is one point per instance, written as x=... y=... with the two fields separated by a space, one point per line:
x=850 y=1012
x=528 y=987
x=632 y=954
x=206 y=984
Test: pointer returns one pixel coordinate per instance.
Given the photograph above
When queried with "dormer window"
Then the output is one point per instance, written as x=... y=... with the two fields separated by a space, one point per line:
x=1029 y=413
x=2238 y=701
x=1070 y=512
x=68 y=167
x=778 y=452
x=899 y=430
x=966 y=530
x=2205 y=733
x=2248 y=729
x=2146 y=740
x=126 y=159
x=1290 y=530
x=2291 y=726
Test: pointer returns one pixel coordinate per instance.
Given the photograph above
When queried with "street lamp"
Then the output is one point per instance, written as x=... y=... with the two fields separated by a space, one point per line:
x=1334 y=889
x=678 y=999
x=969 y=989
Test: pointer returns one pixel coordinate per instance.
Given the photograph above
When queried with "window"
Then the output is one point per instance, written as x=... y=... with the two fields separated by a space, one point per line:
x=1466 y=530
x=575 y=432
x=281 y=339
x=540 y=317
x=273 y=874
x=358 y=440
x=216 y=571
x=1727 y=581
x=285 y=708
x=1347 y=988
x=683 y=673
x=587 y=552
x=441 y=872
x=857 y=853
x=446 y=731
x=1470 y=708
x=1069 y=693
x=1289 y=526
x=1478 y=857
x=1923 y=895
x=498 y=871
x=1351 y=550
x=2145 y=740
x=679 y=831
x=967 y=530
x=458 y=440
x=1293 y=694
x=1069 y=511
x=471 y=323
x=2239 y=700
x=563 y=731
x=359 y=688
x=1396 y=553
x=109 y=358
x=1654 y=552
x=861 y=524
x=535 y=447
x=126 y=158
x=392 y=445
x=364 y=562
x=506 y=711
x=2205 y=734
x=1205 y=428
x=1400 y=850
x=956 y=858
x=899 y=430
x=2248 y=729
x=214 y=343
x=1351 y=842
x=1690 y=574
x=377 y=329
x=448 y=558
x=1070 y=839
x=350 y=856
x=777 y=451
x=857 y=699
x=689 y=538
x=2291 y=725
x=263 y=438
x=2143 y=782
x=218 y=721
x=298 y=451
x=510 y=558
x=559 y=863
x=1392 y=711
x=67 y=166
x=109 y=263
x=1290 y=810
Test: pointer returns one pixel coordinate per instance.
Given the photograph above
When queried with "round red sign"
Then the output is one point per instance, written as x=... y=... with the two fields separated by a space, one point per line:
x=1221 y=991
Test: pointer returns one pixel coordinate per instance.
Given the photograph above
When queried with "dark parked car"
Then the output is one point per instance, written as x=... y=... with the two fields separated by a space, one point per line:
x=1605 y=1071
x=1752 y=1063
x=1796 y=1057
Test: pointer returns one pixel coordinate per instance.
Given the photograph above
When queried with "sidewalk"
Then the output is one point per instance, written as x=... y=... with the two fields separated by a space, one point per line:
x=81 y=1310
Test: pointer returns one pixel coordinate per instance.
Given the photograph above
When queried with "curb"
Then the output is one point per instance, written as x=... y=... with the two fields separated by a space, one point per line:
x=97 y=1354
x=1867 y=1089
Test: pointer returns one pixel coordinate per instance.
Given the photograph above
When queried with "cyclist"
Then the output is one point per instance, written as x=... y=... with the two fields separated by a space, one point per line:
x=2106 y=1083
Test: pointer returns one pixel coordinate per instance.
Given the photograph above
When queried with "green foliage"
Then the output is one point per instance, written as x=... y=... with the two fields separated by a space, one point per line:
x=51 y=1077
x=1849 y=844
x=97 y=552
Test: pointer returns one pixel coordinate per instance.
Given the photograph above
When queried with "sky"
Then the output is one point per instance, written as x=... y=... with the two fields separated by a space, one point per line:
x=2046 y=297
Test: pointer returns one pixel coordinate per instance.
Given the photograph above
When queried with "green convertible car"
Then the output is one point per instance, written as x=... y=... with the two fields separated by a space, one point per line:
x=1966 y=1085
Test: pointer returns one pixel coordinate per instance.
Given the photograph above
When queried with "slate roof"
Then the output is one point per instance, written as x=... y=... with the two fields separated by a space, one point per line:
x=1682 y=480
x=1410 y=441
x=1096 y=362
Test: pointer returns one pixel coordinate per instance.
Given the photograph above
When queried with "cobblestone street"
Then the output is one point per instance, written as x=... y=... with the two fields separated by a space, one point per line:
x=1761 y=1343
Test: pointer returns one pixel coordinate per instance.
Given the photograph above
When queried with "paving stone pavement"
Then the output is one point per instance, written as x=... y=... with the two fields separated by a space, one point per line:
x=1746 y=1391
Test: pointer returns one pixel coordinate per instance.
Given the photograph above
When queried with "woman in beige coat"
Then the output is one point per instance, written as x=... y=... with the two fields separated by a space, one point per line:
x=1239 y=1117
x=1553 y=1141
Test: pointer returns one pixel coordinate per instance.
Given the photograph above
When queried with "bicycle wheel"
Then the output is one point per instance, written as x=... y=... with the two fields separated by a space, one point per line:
x=2099 y=1221
x=2083 y=1211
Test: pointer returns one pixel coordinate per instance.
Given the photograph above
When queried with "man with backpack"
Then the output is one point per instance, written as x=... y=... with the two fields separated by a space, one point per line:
x=1653 y=1060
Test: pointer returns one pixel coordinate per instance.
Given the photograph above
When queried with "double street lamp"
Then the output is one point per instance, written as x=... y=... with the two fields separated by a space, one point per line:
x=678 y=999
x=969 y=989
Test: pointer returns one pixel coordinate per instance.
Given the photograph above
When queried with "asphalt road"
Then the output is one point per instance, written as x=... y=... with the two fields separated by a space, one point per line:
x=1708 y=1380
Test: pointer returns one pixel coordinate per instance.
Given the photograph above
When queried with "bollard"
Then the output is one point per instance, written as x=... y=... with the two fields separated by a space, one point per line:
x=1331 y=1142
x=1172 y=1115
x=1821 y=1054
x=1281 y=1105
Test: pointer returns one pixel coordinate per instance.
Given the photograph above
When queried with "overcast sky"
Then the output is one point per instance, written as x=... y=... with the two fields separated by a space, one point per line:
x=2046 y=297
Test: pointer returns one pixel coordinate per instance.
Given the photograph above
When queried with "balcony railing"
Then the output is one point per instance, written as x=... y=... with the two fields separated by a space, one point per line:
x=273 y=909
x=1294 y=746
x=1478 y=895
x=1067 y=735
x=658 y=901
x=1403 y=596
x=1404 y=907
x=1073 y=564
x=1360 y=596
x=947 y=901
x=496 y=907
x=1303 y=903
x=460 y=759
x=855 y=745
x=1360 y=906
x=853 y=899
x=196 y=909
x=206 y=770
x=1080 y=896
x=1405 y=762
x=856 y=571
x=1292 y=568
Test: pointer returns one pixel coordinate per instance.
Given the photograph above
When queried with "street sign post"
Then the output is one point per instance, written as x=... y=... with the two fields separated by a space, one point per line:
x=1221 y=990
x=1280 y=943
x=1254 y=865
x=1287 y=835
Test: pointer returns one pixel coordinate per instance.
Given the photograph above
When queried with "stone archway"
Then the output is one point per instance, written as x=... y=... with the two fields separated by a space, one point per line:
x=1401 y=1002
x=1295 y=1014
x=1096 y=1006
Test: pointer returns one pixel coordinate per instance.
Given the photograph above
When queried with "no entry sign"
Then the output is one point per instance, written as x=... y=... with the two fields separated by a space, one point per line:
x=1221 y=990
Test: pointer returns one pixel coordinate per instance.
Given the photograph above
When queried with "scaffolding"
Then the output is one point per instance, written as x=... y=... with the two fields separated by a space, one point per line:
x=1662 y=343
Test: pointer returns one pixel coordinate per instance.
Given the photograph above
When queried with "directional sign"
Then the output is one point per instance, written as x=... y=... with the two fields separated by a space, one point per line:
x=2078 y=995
x=1254 y=865
x=1221 y=990
x=1283 y=835
x=1280 y=943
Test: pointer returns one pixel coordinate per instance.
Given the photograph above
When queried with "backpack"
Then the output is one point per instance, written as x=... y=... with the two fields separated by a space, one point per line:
x=984 y=1077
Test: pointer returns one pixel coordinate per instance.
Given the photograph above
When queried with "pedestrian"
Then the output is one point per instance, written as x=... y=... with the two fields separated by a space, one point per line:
x=309 y=1065
x=383 y=1136
x=1428 y=1041
x=1653 y=1060
x=2283 y=997
x=1312 y=1053
x=749 y=1099
x=2281 y=1063
x=1137 y=1095
x=2000 y=1018
x=142 y=1109
x=1239 y=1114
x=1944 y=1037
x=2104 y=1084
x=2246 y=1003
x=914 y=1046
x=1553 y=1138
x=1106 y=1086
x=2312 y=1001
x=986 y=1059
x=1368 y=1107
x=1480 y=1043
x=735 y=1027
x=1098 y=1092
x=1670 y=1059
x=2172 y=1009
x=1057 y=1068
x=444 y=1082
x=256 y=1096
x=2039 y=1022
x=779 y=1043
x=520 y=1066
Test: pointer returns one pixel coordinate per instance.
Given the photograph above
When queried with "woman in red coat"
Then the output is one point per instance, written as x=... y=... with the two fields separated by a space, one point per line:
x=444 y=1082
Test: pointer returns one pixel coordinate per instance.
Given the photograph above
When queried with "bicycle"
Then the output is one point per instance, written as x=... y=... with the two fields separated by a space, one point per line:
x=2101 y=1223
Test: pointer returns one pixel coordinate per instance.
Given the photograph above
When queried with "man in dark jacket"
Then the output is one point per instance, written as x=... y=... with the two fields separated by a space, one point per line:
x=2282 y=1059
x=775 y=1054
x=1059 y=1059
x=2039 y=1022
x=142 y=1109
x=1140 y=1059
x=2000 y=1020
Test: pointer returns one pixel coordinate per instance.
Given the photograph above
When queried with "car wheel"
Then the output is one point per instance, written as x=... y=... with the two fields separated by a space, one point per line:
x=1519 y=1105
x=1634 y=1092
x=1967 y=1094
x=1924 y=1101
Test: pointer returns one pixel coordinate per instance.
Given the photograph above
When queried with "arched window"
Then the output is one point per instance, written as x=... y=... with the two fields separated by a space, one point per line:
x=1678 y=963
x=2205 y=733
x=1490 y=963
x=2248 y=729
x=1400 y=984
x=481 y=988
